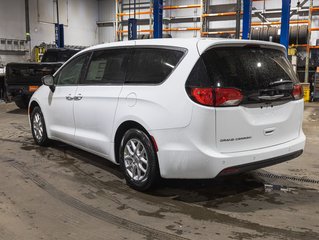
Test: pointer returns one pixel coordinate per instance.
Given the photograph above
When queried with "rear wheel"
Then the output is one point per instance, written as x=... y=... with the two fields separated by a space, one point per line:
x=23 y=102
x=138 y=160
x=38 y=128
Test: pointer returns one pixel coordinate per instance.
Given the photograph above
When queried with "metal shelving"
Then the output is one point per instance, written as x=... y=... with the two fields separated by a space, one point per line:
x=206 y=15
x=121 y=22
x=312 y=10
x=201 y=18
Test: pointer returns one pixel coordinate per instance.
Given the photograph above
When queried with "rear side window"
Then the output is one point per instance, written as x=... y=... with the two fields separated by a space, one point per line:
x=108 y=66
x=198 y=76
x=152 y=65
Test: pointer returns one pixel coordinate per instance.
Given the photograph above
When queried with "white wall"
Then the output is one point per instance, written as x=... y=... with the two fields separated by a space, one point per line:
x=79 y=17
x=106 y=14
x=12 y=20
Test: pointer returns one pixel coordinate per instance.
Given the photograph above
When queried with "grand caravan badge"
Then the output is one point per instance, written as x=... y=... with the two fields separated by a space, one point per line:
x=235 y=139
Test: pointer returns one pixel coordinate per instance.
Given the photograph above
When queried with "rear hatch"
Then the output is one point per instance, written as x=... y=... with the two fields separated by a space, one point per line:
x=256 y=95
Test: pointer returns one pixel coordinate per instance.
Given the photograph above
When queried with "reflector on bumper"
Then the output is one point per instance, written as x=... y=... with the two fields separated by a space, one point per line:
x=33 y=88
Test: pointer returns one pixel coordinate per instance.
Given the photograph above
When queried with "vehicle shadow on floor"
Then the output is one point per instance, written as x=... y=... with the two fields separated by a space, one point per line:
x=89 y=158
x=188 y=191
x=244 y=193
x=241 y=193
x=239 y=182
x=19 y=111
x=203 y=190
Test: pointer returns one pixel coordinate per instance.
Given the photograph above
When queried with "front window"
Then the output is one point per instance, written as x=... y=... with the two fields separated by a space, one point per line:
x=70 y=74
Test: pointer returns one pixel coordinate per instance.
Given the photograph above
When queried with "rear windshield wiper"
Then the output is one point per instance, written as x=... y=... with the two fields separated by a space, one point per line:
x=280 y=82
x=269 y=98
x=267 y=95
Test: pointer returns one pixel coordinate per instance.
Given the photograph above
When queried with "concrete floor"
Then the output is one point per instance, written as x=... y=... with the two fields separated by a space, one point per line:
x=60 y=192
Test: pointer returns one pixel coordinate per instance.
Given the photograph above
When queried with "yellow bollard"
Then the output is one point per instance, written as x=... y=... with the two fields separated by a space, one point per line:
x=306 y=91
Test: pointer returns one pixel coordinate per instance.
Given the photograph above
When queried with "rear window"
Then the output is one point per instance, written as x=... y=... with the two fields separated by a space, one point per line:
x=152 y=65
x=252 y=70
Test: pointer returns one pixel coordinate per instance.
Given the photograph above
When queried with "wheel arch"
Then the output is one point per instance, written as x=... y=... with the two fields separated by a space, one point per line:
x=123 y=127
x=34 y=103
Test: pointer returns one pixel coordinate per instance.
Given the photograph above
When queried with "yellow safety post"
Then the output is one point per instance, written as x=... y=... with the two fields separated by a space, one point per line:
x=306 y=91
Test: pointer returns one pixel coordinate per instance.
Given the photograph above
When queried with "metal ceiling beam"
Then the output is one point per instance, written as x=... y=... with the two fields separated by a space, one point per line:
x=261 y=17
x=295 y=11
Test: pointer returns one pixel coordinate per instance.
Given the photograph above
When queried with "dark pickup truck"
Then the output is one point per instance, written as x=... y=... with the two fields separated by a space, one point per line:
x=23 y=79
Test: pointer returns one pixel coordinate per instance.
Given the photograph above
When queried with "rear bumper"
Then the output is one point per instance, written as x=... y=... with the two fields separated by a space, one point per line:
x=180 y=156
x=260 y=164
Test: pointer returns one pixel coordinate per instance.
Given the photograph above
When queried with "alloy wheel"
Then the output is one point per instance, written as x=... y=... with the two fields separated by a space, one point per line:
x=37 y=126
x=136 y=160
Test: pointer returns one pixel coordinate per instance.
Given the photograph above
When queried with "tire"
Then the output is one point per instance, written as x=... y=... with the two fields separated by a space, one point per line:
x=22 y=103
x=38 y=127
x=139 y=164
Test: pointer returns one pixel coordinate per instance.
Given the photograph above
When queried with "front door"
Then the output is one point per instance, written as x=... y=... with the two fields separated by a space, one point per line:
x=96 y=99
x=61 y=101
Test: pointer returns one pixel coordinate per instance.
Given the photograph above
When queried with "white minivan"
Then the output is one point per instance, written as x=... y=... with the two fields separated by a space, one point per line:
x=175 y=108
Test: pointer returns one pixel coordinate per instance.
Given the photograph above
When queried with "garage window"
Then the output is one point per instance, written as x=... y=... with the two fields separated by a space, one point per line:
x=152 y=65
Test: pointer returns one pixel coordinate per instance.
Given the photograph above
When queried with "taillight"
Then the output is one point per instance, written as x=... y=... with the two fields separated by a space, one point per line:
x=228 y=96
x=297 y=91
x=203 y=96
x=217 y=96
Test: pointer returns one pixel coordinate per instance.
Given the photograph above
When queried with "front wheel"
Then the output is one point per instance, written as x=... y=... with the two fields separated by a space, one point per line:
x=138 y=160
x=38 y=128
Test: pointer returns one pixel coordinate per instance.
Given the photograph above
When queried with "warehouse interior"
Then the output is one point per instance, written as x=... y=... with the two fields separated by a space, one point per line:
x=62 y=192
x=85 y=23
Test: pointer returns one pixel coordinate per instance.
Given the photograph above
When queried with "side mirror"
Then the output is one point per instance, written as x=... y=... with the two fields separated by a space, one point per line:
x=48 y=80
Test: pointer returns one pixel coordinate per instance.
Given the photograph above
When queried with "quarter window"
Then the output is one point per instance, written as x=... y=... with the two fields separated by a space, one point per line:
x=152 y=65
x=108 y=66
x=71 y=73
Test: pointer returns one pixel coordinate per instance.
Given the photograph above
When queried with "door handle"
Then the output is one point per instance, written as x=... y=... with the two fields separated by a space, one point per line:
x=78 y=97
x=69 y=98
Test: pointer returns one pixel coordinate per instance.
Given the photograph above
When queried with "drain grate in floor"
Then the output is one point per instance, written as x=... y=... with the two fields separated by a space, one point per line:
x=296 y=179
